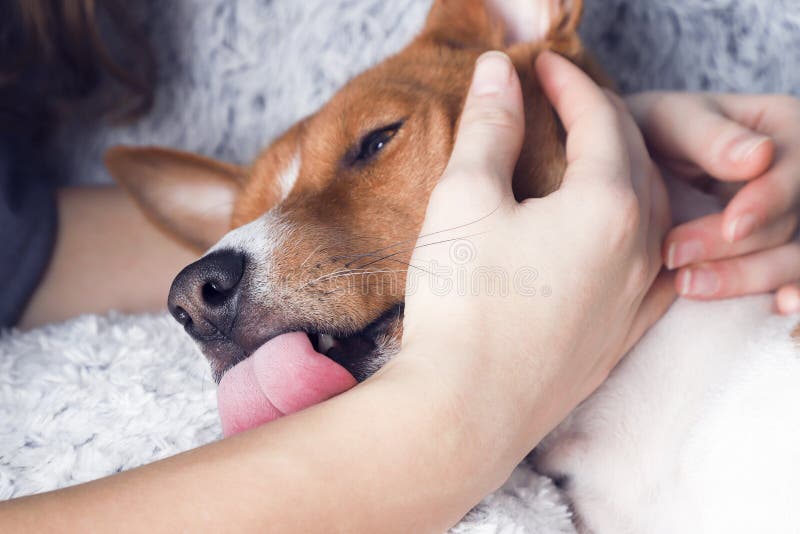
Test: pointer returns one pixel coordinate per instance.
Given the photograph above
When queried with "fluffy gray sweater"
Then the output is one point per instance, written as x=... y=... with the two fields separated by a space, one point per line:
x=233 y=74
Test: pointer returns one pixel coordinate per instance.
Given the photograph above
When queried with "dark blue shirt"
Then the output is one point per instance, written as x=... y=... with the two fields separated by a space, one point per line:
x=27 y=207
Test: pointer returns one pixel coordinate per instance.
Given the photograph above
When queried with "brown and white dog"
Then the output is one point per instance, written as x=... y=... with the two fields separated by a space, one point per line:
x=695 y=432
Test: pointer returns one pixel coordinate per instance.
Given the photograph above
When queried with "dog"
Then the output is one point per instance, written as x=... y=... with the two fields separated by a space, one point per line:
x=693 y=432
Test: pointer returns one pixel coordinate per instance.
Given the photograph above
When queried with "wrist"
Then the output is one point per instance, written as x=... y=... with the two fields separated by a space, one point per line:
x=512 y=393
x=478 y=422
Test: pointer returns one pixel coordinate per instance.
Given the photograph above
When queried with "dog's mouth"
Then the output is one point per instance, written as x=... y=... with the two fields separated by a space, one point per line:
x=297 y=369
x=361 y=353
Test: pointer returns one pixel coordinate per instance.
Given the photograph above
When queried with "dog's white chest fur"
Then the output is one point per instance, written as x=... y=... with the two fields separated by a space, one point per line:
x=697 y=430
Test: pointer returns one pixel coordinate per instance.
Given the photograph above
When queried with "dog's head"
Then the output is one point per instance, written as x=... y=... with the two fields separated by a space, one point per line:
x=326 y=217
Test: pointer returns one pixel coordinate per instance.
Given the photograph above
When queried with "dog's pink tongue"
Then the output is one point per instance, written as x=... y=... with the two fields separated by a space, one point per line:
x=284 y=376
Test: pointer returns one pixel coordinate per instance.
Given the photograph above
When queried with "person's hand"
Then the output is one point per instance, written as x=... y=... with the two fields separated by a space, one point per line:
x=579 y=264
x=751 y=141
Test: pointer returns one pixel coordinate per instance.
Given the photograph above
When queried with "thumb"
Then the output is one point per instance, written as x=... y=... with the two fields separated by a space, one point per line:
x=490 y=131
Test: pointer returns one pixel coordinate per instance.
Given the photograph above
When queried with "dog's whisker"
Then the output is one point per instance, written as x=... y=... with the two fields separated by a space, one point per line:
x=476 y=221
x=355 y=257
x=341 y=273
x=361 y=273
x=319 y=278
x=430 y=234
x=420 y=238
x=311 y=254
x=424 y=245
x=322 y=248
x=370 y=282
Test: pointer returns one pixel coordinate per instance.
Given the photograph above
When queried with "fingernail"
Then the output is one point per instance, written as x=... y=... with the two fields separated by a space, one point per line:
x=492 y=74
x=741 y=227
x=682 y=254
x=745 y=148
x=699 y=283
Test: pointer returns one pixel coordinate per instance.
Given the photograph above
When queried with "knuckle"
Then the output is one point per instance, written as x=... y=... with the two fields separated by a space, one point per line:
x=639 y=276
x=624 y=220
x=495 y=117
x=628 y=212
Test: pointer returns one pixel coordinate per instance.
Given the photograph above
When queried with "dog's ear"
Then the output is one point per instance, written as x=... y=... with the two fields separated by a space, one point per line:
x=464 y=24
x=538 y=20
x=497 y=24
x=188 y=196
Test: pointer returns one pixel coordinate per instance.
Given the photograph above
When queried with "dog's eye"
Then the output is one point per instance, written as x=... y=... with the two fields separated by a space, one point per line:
x=375 y=141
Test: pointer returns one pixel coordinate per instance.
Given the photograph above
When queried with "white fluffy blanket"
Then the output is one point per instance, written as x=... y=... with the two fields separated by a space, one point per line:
x=102 y=394
x=98 y=395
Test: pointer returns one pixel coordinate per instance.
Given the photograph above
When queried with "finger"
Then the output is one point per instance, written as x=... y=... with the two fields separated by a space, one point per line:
x=702 y=240
x=491 y=127
x=592 y=123
x=655 y=303
x=721 y=147
x=756 y=273
x=778 y=191
x=787 y=299
x=761 y=112
x=762 y=201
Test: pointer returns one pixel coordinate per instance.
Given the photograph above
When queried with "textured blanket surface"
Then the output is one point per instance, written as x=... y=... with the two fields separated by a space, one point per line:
x=102 y=394
x=98 y=395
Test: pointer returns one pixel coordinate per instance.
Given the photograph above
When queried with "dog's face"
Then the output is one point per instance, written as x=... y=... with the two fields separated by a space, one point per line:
x=341 y=197
x=326 y=218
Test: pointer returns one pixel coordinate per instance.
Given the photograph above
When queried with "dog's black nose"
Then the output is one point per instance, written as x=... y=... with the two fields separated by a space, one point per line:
x=204 y=295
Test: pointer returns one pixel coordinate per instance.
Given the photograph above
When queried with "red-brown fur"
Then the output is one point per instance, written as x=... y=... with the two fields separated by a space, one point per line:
x=346 y=217
x=353 y=212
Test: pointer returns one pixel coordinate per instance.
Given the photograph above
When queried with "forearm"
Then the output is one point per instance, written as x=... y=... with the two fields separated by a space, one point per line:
x=386 y=456
x=107 y=256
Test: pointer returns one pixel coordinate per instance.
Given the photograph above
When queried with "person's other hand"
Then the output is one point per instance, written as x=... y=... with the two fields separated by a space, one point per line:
x=751 y=141
x=578 y=265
